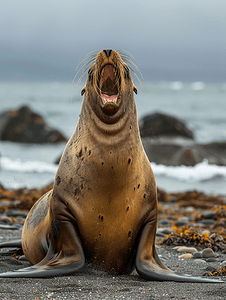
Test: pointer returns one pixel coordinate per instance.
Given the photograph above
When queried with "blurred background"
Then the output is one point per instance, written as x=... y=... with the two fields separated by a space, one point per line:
x=179 y=47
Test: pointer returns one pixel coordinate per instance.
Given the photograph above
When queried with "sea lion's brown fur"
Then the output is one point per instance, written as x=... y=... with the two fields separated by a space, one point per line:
x=103 y=206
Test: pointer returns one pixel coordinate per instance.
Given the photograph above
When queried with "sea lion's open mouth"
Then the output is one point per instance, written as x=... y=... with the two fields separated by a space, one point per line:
x=109 y=88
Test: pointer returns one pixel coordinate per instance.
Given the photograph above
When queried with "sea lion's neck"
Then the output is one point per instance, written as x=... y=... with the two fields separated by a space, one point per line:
x=115 y=133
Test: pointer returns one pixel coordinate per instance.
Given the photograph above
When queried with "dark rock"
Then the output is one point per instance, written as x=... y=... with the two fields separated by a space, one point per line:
x=163 y=222
x=25 y=126
x=181 y=223
x=197 y=254
x=181 y=151
x=207 y=222
x=210 y=215
x=157 y=124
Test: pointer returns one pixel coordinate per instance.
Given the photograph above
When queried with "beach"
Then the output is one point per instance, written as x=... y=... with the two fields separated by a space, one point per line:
x=177 y=213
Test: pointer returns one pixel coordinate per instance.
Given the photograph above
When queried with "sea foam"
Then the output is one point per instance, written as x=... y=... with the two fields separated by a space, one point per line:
x=17 y=165
x=200 y=172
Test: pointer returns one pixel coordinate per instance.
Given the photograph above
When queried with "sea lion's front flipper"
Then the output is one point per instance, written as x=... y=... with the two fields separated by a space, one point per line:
x=56 y=266
x=64 y=256
x=149 y=266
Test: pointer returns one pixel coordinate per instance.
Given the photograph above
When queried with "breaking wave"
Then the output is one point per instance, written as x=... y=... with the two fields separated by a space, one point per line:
x=200 y=172
x=17 y=165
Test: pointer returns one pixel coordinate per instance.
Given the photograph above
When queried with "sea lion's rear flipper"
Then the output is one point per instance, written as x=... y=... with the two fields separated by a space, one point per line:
x=16 y=245
x=149 y=266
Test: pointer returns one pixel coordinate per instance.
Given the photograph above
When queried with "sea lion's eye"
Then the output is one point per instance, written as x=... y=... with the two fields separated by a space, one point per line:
x=126 y=71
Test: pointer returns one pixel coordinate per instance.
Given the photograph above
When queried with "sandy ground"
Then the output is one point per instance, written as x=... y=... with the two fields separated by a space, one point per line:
x=92 y=284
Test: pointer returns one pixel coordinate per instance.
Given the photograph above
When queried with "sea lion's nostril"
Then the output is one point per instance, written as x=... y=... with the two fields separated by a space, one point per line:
x=108 y=52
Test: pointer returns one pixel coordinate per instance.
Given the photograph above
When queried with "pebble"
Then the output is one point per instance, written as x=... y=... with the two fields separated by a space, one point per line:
x=22 y=258
x=200 y=261
x=164 y=231
x=187 y=249
x=207 y=222
x=6 y=219
x=186 y=255
x=207 y=253
x=16 y=213
x=211 y=259
x=11 y=227
x=223 y=264
x=190 y=209
x=181 y=223
x=210 y=215
x=197 y=254
x=164 y=222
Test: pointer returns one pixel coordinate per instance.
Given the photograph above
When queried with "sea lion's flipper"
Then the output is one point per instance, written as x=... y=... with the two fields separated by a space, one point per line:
x=64 y=255
x=149 y=266
x=11 y=244
x=52 y=265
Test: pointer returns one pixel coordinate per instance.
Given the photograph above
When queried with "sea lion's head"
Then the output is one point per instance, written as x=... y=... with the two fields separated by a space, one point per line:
x=109 y=87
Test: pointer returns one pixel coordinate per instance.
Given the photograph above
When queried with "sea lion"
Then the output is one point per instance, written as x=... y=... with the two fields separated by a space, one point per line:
x=103 y=205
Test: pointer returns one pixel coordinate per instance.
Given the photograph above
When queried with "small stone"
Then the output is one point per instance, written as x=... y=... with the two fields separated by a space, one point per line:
x=6 y=220
x=197 y=254
x=210 y=215
x=22 y=258
x=211 y=259
x=163 y=222
x=9 y=227
x=159 y=234
x=190 y=209
x=181 y=223
x=199 y=261
x=187 y=249
x=176 y=247
x=218 y=238
x=186 y=255
x=223 y=264
x=165 y=231
x=207 y=222
x=207 y=253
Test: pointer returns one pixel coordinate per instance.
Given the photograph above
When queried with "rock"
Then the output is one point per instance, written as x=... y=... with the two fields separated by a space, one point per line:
x=164 y=222
x=186 y=255
x=223 y=264
x=157 y=124
x=164 y=231
x=197 y=254
x=6 y=220
x=207 y=222
x=200 y=261
x=210 y=215
x=211 y=259
x=25 y=126
x=207 y=253
x=180 y=223
x=182 y=151
x=187 y=249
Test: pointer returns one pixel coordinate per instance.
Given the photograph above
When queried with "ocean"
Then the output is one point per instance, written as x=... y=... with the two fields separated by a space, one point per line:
x=201 y=105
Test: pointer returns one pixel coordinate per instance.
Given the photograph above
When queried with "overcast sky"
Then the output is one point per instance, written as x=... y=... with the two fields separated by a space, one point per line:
x=170 y=39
